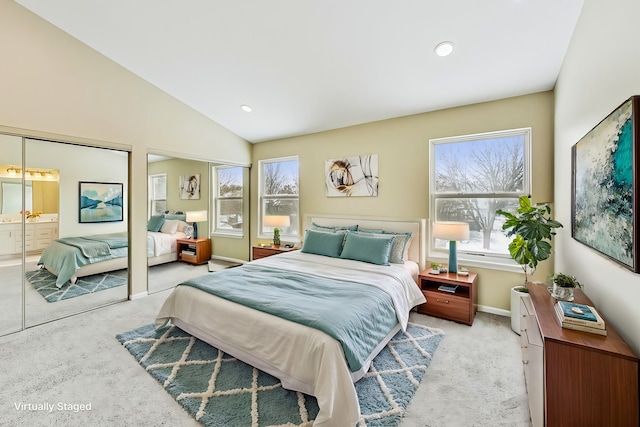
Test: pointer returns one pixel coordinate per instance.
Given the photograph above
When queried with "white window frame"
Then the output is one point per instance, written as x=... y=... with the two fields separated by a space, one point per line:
x=467 y=257
x=239 y=233
x=152 y=196
x=288 y=237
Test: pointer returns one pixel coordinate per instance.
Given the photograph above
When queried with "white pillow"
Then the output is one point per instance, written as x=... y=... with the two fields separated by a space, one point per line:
x=170 y=226
x=181 y=226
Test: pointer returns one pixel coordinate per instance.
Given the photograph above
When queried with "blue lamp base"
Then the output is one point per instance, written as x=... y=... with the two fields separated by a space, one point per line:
x=453 y=257
x=195 y=230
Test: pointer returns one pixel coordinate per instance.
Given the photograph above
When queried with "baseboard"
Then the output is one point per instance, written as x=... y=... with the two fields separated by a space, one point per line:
x=138 y=296
x=493 y=310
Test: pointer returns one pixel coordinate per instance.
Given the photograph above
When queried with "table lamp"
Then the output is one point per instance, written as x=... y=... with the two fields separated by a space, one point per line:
x=451 y=231
x=195 y=217
x=276 y=221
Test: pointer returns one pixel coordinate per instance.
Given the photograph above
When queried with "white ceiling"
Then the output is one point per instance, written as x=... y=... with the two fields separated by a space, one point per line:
x=312 y=65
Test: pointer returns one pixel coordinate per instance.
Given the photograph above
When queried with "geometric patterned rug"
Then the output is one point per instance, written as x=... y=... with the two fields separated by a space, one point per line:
x=45 y=283
x=221 y=391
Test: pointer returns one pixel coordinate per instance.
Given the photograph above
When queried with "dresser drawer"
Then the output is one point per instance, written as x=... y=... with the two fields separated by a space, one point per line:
x=447 y=306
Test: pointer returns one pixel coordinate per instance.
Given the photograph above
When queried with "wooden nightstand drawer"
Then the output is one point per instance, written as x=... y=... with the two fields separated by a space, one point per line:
x=459 y=305
x=442 y=305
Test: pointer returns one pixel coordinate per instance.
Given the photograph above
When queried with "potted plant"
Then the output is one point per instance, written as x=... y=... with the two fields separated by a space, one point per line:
x=563 y=285
x=276 y=237
x=435 y=268
x=532 y=229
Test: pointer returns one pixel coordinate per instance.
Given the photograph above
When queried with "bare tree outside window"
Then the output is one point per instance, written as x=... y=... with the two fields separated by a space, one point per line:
x=474 y=177
x=280 y=191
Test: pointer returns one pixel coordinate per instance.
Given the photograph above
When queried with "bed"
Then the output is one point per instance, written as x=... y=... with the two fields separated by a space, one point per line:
x=298 y=348
x=72 y=257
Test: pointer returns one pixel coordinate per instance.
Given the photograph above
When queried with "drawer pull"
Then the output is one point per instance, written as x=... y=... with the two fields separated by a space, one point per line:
x=525 y=362
x=446 y=301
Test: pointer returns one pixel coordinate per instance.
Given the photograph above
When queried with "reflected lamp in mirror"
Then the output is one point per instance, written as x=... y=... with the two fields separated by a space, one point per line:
x=277 y=222
x=195 y=217
x=452 y=231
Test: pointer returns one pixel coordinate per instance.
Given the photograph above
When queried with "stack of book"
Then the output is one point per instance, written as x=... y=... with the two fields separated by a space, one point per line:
x=448 y=288
x=580 y=317
x=188 y=252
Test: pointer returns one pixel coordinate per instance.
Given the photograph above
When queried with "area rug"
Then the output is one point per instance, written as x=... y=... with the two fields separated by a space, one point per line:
x=45 y=283
x=221 y=391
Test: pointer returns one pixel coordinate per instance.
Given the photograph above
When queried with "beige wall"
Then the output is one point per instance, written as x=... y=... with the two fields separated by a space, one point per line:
x=600 y=71
x=402 y=145
x=53 y=85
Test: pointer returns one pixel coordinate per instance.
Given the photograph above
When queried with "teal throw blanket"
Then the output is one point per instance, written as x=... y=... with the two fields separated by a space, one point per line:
x=358 y=316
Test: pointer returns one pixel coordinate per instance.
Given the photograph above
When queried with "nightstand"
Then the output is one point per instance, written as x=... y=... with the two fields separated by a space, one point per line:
x=194 y=251
x=459 y=306
x=262 y=252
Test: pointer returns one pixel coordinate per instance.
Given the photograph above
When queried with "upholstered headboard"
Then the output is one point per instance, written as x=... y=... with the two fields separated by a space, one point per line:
x=417 y=226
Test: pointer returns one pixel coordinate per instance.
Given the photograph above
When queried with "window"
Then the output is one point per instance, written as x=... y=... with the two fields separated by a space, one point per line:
x=228 y=182
x=158 y=193
x=279 y=191
x=471 y=177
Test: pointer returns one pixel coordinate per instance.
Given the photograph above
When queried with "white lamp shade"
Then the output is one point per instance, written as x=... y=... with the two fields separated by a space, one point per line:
x=451 y=230
x=196 y=216
x=277 y=221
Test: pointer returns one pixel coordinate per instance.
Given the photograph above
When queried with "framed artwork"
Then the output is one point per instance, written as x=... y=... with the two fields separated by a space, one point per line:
x=100 y=202
x=604 y=211
x=190 y=187
x=352 y=176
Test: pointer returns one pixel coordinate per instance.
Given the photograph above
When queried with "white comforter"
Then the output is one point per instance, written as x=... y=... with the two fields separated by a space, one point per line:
x=305 y=359
x=162 y=243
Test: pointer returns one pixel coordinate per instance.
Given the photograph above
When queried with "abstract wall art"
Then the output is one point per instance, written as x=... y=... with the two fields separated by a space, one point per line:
x=352 y=176
x=190 y=187
x=100 y=202
x=604 y=210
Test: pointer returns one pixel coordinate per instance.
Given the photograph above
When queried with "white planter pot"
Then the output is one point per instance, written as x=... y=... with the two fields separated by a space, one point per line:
x=515 y=308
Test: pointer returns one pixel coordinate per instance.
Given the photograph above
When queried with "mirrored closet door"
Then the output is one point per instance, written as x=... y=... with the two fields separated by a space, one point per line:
x=64 y=229
x=11 y=203
x=219 y=208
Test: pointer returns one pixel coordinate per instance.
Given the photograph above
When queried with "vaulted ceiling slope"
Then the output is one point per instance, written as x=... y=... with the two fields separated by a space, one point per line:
x=306 y=66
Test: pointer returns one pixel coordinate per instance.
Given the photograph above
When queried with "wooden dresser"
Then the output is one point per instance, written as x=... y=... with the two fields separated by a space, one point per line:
x=575 y=378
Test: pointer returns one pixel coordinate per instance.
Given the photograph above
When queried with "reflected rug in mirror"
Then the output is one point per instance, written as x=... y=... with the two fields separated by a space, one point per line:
x=45 y=283
x=219 y=390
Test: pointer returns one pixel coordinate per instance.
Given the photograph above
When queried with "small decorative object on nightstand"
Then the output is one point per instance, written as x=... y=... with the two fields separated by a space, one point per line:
x=277 y=222
x=194 y=251
x=449 y=295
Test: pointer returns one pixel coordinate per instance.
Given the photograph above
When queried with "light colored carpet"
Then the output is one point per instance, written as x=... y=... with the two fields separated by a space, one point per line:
x=476 y=379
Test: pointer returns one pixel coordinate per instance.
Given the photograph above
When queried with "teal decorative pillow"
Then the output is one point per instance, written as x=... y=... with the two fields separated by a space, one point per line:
x=367 y=248
x=155 y=223
x=398 y=245
x=322 y=243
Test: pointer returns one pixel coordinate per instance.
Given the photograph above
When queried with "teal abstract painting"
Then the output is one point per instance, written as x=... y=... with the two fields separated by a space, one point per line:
x=603 y=211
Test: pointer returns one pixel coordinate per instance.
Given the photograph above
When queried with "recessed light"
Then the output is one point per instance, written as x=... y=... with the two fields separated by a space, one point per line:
x=246 y=108
x=444 y=49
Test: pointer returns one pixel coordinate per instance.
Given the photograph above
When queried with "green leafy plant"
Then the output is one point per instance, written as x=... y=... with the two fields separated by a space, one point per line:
x=565 y=281
x=532 y=228
x=276 y=236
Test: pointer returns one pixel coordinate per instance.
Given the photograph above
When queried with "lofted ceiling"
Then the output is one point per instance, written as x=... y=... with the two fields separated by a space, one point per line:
x=306 y=66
